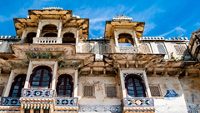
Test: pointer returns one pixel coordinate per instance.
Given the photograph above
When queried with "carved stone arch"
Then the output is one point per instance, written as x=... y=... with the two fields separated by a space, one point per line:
x=135 y=85
x=29 y=37
x=69 y=37
x=41 y=77
x=49 y=29
x=65 y=85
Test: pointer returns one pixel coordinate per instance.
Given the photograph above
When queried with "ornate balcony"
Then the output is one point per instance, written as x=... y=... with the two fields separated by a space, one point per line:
x=47 y=40
x=66 y=101
x=139 y=104
x=10 y=101
x=47 y=93
x=127 y=49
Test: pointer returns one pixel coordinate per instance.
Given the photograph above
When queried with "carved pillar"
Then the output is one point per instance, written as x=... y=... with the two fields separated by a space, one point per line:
x=59 y=29
x=31 y=110
x=146 y=84
x=21 y=110
x=76 y=84
x=116 y=38
x=23 y=36
x=39 y=30
x=122 y=84
x=26 y=85
x=41 y=110
x=10 y=80
x=54 y=76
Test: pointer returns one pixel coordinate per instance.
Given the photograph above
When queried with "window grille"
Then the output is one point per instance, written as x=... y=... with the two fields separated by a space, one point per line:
x=111 y=91
x=88 y=91
x=155 y=90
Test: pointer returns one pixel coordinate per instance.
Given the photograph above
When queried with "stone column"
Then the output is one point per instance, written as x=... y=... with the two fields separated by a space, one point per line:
x=76 y=84
x=23 y=36
x=39 y=29
x=122 y=84
x=30 y=68
x=10 y=81
x=59 y=29
x=147 y=84
x=21 y=110
x=54 y=76
x=31 y=110
x=41 y=110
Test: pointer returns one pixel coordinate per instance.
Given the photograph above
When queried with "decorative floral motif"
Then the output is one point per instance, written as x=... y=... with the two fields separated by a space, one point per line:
x=101 y=108
x=138 y=102
x=10 y=101
x=67 y=101
x=38 y=93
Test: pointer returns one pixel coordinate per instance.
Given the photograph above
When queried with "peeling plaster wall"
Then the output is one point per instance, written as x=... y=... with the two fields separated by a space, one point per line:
x=166 y=104
x=3 y=81
x=191 y=89
x=100 y=94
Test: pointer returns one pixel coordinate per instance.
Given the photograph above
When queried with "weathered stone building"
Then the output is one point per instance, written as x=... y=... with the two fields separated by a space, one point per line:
x=52 y=66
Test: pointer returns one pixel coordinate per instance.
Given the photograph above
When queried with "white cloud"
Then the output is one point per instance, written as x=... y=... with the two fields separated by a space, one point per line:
x=149 y=27
x=197 y=24
x=98 y=16
x=179 y=31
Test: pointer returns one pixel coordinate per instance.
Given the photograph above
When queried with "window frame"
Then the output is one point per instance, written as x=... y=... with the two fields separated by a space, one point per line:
x=41 y=81
x=93 y=91
x=65 y=76
x=159 y=89
x=106 y=91
x=134 y=77
x=20 y=83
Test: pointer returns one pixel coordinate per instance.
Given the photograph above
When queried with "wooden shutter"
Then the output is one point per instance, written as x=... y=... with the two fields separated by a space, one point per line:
x=155 y=90
x=88 y=91
x=111 y=91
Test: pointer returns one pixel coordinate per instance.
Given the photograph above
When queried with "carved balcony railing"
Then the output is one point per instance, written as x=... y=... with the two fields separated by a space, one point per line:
x=127 y=49
x=139 y=103
x=47 y=93
x=10 y=101
x=66 y=101
x=47 y=40
x=97 y=48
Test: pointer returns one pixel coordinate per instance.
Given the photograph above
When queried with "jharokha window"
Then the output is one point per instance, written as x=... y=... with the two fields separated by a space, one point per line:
x=135 y=86
x=17 y=86
x=41 y=77
x=64 y=85
x=125 y=39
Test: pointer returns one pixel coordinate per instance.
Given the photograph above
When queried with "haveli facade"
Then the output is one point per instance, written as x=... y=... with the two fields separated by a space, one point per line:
x=51 y=66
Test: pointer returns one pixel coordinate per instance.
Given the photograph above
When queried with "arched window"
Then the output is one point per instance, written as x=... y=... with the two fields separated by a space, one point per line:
x=125 y=39
x=29 y=37
x=135 y=86
x=50 y=35
x=64 y=85
x=49 y=30
x=41 y=77
x=68 y=38
x=17 y=86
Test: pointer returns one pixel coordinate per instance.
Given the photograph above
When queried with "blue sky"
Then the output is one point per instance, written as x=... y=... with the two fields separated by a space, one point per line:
x=166 y=18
